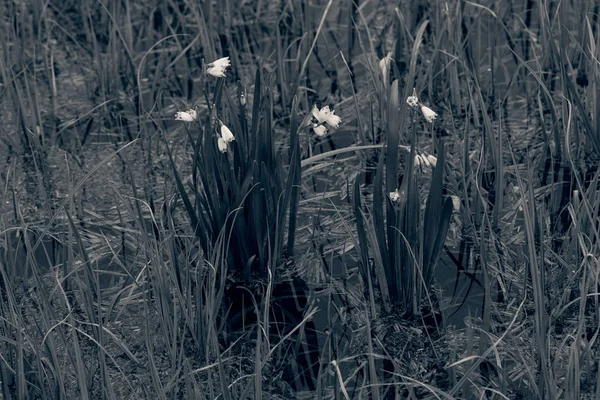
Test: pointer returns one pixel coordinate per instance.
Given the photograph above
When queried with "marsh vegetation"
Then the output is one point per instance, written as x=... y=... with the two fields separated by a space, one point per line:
x=299 y=199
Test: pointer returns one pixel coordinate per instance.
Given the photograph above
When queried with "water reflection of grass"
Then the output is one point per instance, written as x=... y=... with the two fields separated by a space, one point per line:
x=137 y=260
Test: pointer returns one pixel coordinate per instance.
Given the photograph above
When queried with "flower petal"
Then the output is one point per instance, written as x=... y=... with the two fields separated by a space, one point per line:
x=333 y=120
x=315 y=113
x=217 y=71
x=320 y=130
x=222 y=145
x=221 y=62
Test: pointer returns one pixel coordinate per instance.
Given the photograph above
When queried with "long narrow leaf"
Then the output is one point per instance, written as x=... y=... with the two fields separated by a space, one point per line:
x=360 y=231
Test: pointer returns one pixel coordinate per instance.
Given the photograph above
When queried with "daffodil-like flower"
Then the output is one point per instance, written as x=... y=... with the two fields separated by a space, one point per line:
x=428 y=113
x=222 y=144
x=395 y=195
x=217 y=68
x=320 y=130
x=327 y=116
x=226 y=134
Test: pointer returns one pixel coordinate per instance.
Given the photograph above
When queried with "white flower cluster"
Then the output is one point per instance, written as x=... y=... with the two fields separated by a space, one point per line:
x=427 y=112
x=322 y=117
x=225 y=138
x=216 y=68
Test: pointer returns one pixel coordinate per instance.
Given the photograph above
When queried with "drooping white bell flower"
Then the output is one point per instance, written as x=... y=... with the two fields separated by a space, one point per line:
x=186 y=116
x=428 y=113
x=217 y=68
x=226 y=134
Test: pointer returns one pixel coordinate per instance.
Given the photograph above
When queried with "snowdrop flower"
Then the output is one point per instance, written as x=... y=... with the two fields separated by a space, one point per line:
x=395 y=195
x=327 y=116
x=428 y=113
x=222 y=145
x=320 y=130
x=217 y=68
x=186 y=116
x=226 y=134
x=413 y=100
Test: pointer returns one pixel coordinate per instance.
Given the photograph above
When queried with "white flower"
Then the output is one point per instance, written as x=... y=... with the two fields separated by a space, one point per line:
x=217 y=68
x=395 y=195
x=327 y=116
x=320 y=130
x=412 y=101
x=428 y=113
x=187 y=116
x=222 y=145
x=226 y=134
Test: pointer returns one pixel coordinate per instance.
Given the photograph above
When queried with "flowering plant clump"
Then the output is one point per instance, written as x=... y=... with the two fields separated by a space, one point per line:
x=217 y=68
x=186 y=116
x=322 y=117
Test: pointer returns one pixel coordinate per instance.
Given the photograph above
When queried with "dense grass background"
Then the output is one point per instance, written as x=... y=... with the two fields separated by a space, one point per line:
x=138 y=261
